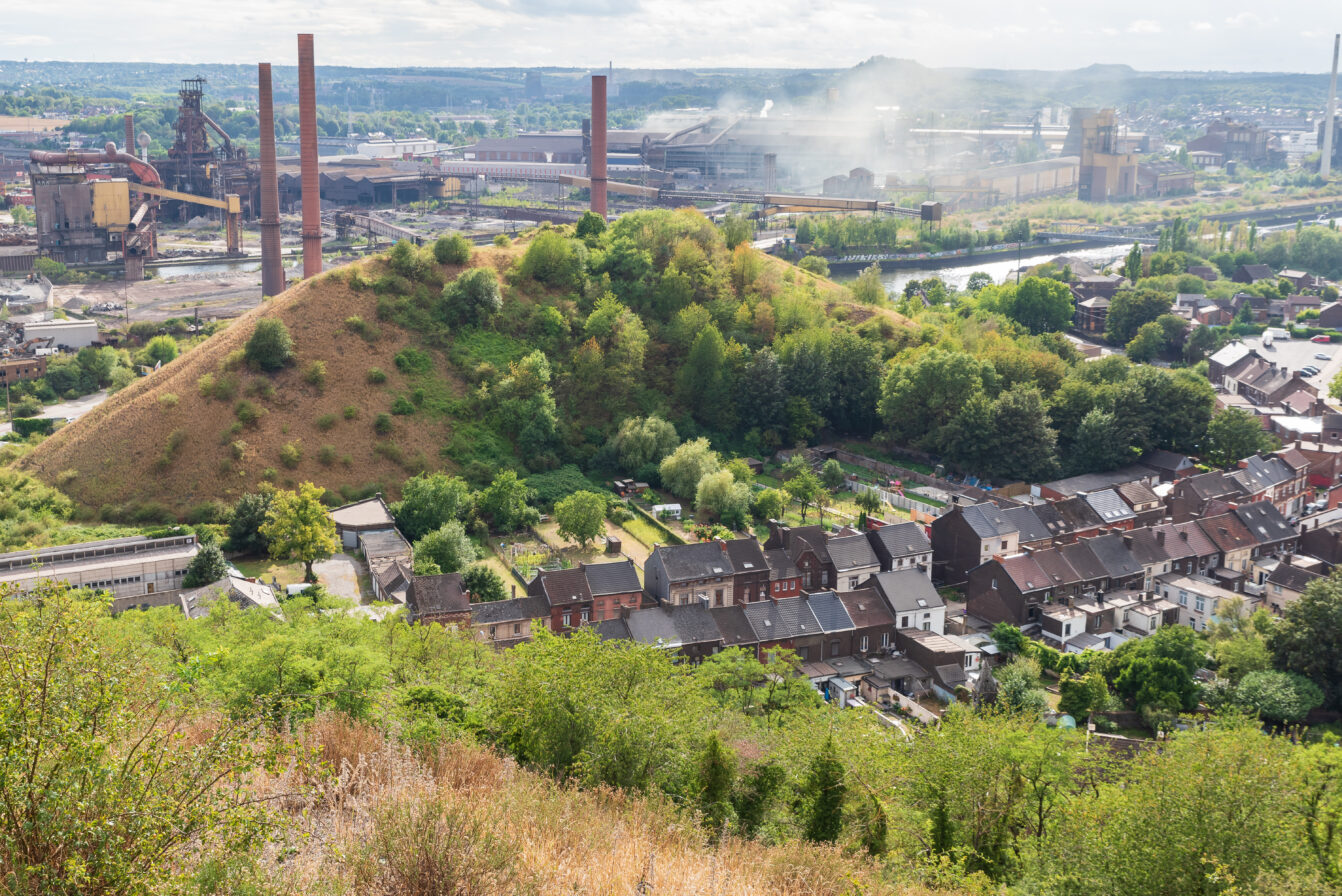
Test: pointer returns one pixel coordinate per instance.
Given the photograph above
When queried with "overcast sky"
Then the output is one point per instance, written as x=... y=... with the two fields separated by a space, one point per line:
x=1286 y=35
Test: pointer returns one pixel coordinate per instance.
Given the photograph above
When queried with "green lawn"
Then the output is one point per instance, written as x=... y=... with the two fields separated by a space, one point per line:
x=644 y=531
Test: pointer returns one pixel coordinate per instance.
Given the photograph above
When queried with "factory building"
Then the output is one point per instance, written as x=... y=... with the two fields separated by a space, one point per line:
x=73 y=334
x=136 y=570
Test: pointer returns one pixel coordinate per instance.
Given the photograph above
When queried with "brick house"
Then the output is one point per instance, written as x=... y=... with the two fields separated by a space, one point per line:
x=566 y=593
x=902 y=546
x=968 y=536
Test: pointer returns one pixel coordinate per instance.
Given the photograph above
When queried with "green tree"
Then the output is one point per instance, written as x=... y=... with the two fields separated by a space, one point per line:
x=270 y=346
x=868 y=288
x=207 y=566
x=1082 y=695
x=297 y=527
x=704 y=380
x=590 y=227
x=717 y=772
x=1024 y=440
x=554 y=260
x=815 y=264
x=977 y=281
x=101 y=793
x=1009 y=639
x=806 y=489
x=1129 y=309
x=921 y=396
x=769 y=504
x=1278 y=696
x=506 y=503
x=1039 y=304
x=159 y=350
x=448 y=547
x=1235 y=434
x=832 y=475
x=452 y=249
x=1132 y=265
x=582 y=517
x=1147 y=345
x=643 y=440
x=683 y=468
x=1018 y=689
x=721 y=494
x=244 y=526
x=428 y=500
x=472 y=298
x=484 y=584
x=825 y=789
x=1308 y=640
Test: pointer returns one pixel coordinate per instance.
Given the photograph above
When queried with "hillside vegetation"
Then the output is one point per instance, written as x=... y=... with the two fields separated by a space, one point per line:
x=398 y=367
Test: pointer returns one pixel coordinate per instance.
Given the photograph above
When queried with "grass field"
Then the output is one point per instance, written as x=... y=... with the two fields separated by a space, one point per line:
x=643 y=530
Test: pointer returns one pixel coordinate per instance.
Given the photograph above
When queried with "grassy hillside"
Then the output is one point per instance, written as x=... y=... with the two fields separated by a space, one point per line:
x=386 y=382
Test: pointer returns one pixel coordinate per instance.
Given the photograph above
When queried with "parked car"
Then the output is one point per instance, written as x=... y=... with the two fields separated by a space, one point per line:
x=1323 y=356
x=1310 y=370
x=1321 y=338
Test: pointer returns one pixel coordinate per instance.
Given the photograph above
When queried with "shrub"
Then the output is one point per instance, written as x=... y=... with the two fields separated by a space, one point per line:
x=454 y=249
x=473 y=297
x=357 y=325
x=382 y=425
x=326 y=421
x=315 y=375
x=376 y=376
x=261 y=388
x=170 y=448
x=269 y=474
x=246 y=412
x=26 y=426
x=235 y=359
x=291 y=454
x=554 y=260
x=326 y=454
x=502 y=241
x=350 y=412
x=29 y=407
x=238 y=449
x=270 y=346
x=402 y=407
x=167 y=400
x=410 y=360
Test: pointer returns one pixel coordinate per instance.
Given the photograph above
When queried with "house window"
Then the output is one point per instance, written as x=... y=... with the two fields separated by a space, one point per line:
x=1153 y=623
x=852 y=583
x=517 y=628
x=994 y=585
x=584 y=615
x=1004 y=544
x=717 y=598
x=1199 y=605
x=864 y=643
x=1099 y=621
x=903 y=622
x=491 y=631
x=568 y=619
x=803 y=654
x=885 y=639
x=1183 y=598
x=824 y=577
x=969 y=660
x=1067 y=628
x=833 y=648
x=806 y=577
x=927 y=626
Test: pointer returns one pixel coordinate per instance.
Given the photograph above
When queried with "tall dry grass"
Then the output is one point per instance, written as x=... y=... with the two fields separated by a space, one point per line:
x=463 y=821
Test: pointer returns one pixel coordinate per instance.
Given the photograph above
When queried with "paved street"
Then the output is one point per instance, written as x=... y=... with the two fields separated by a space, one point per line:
x=72 y=410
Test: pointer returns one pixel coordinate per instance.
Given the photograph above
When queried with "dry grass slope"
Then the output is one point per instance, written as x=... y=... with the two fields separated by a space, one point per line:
x=466 y=821
x=116 y=454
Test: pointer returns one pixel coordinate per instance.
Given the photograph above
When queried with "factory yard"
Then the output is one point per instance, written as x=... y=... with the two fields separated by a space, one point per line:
x=210 y=296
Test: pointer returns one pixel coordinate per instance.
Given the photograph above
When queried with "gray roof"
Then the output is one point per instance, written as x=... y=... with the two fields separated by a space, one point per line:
x=613 y=630
x=849 y=666
x=1089 y=482
x=1292 y=578
x=746 y=554
x=1145 y=548
x=432 y=595
x=705 y=560
x=852 y=552
x=899 y=540
x=780 y=620
x=383 y=543
x=694 y=624
x=830 y=612
x=1266 y=472
x=612 y=578
x=1082 y=559
x=653 y=625
x=1114 y=556
x=1110 y=507
x=733 y=626
x=1264 y=522
x=987 y=520
x=894 y=667
x=518 y=609
x=1030 y=526
x=907 y=590
x=781 y=565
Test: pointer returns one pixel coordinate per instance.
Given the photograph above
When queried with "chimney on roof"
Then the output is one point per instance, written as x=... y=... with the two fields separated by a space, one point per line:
x=1160 y=538
x=1183 y=535
x=514 y=592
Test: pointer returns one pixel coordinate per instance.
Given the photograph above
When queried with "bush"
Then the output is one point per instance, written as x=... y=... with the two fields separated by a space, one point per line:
x=382 y=424
x=411 y=361
x=247 y=413
x=167 y=400
x=402 y=407
x=26 y=426
x=238 y=449
x=502 y=241
x=350 y=412
x=270 y=346
x=376 y=376
x=291 y=454
x=326 y=421
x=315 y=375
x=357 y=325
x=170 y=448
x=29 y=407
x=473 y=297
x=454 y=249
x=327 y=455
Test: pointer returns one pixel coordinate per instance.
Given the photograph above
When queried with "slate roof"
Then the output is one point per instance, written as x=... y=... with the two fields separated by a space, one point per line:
x=1265 y=523
x=1025 y=573
x=1028 y=523
x=907 y=591
x=1078 y=514
x=746 y=555
x=565 y=586
x=893 y=667
x=1230 y=355
x=1206 y=486
x=613 y=630
x=1054 y=565
x=1109 y=506
x=611 y=578
x=1227 y=532
x=703 y=560
x=694 y=624
x=781 y=620
x=852 y=552
x=1165 y=461
x=243 y=592
x=803 y=538
x=517 y=609
x=733 y=626
x=1090 y=482
x=781 y=565
x=437 y=595
x=1052 y=520
x=384 y=543
x=1292 y=578
x=830 y=612
x=1114 y=555
x=987 y=520
x=899 y=540
x=1082 y=559
x=1186 y=540
x=1294 y=459
x=866 y=608
x=1145 y=549
x=1265 y=473
x=653 y=625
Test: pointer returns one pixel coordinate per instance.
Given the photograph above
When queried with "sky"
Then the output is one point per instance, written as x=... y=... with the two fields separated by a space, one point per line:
x=1286 y=35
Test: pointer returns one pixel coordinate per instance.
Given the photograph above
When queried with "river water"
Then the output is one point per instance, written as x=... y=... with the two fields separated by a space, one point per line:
x=956 y=276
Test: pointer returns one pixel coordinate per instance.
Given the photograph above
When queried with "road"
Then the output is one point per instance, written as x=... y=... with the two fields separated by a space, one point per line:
x=66 y=409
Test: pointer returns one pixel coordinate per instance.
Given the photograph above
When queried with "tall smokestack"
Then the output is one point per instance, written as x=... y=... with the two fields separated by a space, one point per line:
x=130 y=133
x=1326 y=162
x=599 y=144
x=272 y=266
x=307 y=158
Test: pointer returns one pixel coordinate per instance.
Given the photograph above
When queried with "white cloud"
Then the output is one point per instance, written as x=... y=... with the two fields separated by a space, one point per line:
x=1201 y=26
x=1144 y=26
